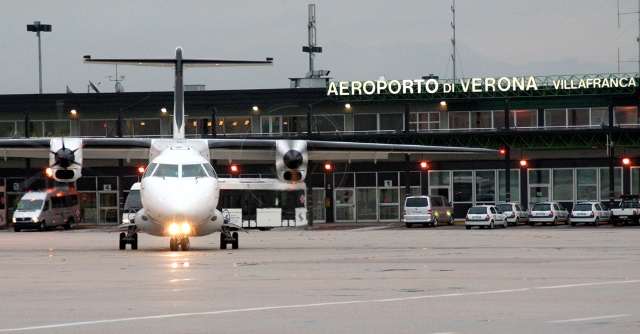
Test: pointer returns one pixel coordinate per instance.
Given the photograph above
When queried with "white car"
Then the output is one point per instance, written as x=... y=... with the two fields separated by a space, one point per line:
x=548 y=212
x=485 y=215
x=515 y=213
x=589 y=213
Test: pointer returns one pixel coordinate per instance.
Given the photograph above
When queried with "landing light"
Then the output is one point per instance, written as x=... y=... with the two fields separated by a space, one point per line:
x=186 y=228
x=174 y=229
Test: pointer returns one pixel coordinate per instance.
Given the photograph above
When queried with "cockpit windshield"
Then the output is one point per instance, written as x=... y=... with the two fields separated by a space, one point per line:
x=195 y=170
x=166 y=170
x=210 y=171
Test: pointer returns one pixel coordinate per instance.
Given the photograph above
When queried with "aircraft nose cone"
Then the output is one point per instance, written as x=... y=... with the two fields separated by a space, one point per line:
x=185 y=206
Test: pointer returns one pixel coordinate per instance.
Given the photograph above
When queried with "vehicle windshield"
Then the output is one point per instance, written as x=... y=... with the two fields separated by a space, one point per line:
x=30 y=204
x=629 y=204
x=478 y=210
x=416 y=202
x=133 y=200
x=541 y=207
x=505 y=207
x=582 y=207
x=165 y=170
x=195 y=170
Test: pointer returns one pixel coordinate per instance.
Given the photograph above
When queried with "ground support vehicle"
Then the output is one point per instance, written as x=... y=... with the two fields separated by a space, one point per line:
x=627 y=212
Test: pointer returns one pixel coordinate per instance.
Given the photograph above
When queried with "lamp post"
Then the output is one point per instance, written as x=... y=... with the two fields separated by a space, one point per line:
x=37 y=27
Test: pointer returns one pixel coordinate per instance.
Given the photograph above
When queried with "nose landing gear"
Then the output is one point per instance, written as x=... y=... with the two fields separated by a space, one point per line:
x=181 y=241
x=131 y=237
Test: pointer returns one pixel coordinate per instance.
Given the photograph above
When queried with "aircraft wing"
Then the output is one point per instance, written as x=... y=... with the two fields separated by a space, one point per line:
x=171 y=62
x=256 y=149
x=92 y=148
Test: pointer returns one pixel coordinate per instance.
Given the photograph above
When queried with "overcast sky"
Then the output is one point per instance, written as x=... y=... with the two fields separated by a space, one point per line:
x=361 y=40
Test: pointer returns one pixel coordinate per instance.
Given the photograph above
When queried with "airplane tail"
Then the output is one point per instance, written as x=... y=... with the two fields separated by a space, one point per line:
x=179 y=63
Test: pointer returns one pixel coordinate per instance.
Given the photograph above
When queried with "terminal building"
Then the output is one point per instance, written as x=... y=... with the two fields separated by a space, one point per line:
x=561 y=138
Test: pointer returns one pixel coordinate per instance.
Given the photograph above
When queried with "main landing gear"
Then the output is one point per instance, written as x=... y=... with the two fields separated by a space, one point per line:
x=179 y=241
x=226 y=237
x=131 y=237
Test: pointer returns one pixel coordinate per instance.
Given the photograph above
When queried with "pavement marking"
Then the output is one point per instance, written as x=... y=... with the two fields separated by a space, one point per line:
x=267 y=308
x=593 y=318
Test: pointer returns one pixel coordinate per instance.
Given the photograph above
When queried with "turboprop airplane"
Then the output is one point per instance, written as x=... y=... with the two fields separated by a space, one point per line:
x=179 y=190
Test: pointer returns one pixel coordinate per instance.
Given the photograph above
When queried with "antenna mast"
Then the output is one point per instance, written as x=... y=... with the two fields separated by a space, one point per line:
x=453 y=40
x=637 y=38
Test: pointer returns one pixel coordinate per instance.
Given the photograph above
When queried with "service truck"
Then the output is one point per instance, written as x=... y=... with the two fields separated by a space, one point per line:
x=627 y=211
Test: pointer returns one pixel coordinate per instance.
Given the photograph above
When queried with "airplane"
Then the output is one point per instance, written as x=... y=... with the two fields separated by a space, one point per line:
x=179 y=188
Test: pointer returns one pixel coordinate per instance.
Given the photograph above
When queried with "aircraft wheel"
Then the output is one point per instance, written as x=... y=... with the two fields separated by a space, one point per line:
x=236 y=242
x=134 y=243
x=123 y=244
x=173 y=244
x=223 y=241
x=185 y=244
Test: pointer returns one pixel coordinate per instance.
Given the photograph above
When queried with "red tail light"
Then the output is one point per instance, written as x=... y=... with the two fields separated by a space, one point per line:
x=466 y=217
x=635 y=212
x=430 y=212
x=513 y=214
x=404 y=212
x=486 y=217
x=530 y=214
x=551 y=214
x=592 y=214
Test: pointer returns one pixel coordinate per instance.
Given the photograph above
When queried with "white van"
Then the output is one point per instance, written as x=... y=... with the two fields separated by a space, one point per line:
x=427 y=210
x=132 y=204
x=42 y=210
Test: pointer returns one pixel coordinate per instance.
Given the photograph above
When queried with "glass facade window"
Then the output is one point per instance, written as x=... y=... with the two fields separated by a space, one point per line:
x=424 y=121
x=391 y=122
x=579 y=117
x=514 y=188
x=626 y=115
x=146 y=127
x=526 y=118
x=586 y=184
x=555 y=118
x=486 y=186
x=271 y=124
x=562 y=185
x=294 y=124
x=599 y=116
x=366 y=122
x=98 y=128
x=329 y=123
x=197 y=127
x=9 y=129
x=234 y=125
x=498 y=119
x=459 y=120
x=366 y=206
x=604 y=183
x=463 y=186
x=481 y=120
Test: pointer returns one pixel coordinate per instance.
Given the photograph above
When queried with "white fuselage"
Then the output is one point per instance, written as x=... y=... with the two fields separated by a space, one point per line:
x=179 y=187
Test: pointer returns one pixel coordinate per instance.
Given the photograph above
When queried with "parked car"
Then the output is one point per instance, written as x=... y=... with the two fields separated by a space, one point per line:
x=628 y=211
x=548 y=212
x=515 y=213
x=427 y=210
x=485 y=216
x=589 y=213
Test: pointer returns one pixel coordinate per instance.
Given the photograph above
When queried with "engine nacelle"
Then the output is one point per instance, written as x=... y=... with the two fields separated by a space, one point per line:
x=65 y=159
x=291 y=160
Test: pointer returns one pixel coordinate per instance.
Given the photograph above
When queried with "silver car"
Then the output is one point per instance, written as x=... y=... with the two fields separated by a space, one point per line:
x=485 y=216
x=515 y=213
x=548 y=212
x=589 y=213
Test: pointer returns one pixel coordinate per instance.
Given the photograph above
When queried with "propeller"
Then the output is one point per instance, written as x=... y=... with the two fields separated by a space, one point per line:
x=65 y=157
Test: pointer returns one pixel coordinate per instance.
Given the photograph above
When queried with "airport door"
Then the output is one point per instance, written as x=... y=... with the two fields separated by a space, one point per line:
x=108 y=207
